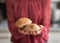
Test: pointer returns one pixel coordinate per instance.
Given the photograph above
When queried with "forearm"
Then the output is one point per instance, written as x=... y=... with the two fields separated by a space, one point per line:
x=11 y=20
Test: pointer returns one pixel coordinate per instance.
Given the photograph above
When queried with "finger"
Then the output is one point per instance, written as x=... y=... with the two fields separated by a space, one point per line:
x=38 y=32
x=34 y=33
x=21 y=31
x=26 y=32
x=31 y=33
x=41 y=27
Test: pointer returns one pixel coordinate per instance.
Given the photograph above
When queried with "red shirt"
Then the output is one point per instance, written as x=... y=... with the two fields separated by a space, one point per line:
x=37 y=10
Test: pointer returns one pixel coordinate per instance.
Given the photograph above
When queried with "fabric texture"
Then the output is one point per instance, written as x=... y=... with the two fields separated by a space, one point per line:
x=36 y=10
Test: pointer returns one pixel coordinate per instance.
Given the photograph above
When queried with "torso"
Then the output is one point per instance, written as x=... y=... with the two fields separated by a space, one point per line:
x=28 y=8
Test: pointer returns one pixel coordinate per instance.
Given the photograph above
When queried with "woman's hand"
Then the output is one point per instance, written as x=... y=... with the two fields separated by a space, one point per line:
x=23 y=32
x=36 y=32
x=31 y=32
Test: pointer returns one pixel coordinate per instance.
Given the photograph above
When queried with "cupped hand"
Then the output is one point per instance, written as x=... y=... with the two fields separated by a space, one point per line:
x=37 y=32
x=23 y=32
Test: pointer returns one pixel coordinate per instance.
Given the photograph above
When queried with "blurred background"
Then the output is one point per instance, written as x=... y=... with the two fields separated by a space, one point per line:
x=54 y=35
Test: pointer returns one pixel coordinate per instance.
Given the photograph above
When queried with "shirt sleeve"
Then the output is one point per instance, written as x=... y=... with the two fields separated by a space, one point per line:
x=45 y=18
x=11 y=20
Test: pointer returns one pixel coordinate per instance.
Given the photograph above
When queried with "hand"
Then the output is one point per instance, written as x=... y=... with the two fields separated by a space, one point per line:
x=36 y=32
x=23 y=32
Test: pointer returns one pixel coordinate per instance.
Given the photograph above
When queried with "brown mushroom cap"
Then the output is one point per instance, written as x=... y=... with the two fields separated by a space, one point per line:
x=22 y=22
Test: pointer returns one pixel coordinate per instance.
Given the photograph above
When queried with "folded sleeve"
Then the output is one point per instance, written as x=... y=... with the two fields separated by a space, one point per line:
x=46 y=14
x=45 y=18
x=11 y=20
